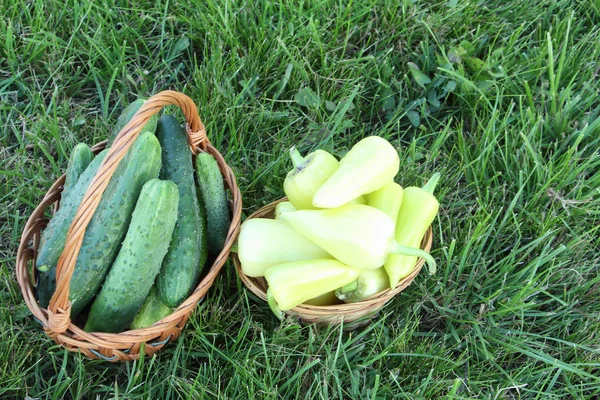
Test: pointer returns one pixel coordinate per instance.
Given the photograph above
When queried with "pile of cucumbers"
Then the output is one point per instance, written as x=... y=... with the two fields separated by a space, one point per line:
x=159 y=219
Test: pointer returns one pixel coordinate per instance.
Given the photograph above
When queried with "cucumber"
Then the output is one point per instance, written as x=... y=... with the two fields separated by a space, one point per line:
x=183 y=263
x=153 y=310
x=81 y=156
x=133 y=273
x=53 y=237
x=210 y=182
x=126 y=116
x=105 y=231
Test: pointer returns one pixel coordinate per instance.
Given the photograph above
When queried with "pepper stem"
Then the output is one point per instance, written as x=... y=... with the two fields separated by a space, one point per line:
x=297 y=158
x=397 y=248
x=347 y=291
x=432 y=183
x=273 y=305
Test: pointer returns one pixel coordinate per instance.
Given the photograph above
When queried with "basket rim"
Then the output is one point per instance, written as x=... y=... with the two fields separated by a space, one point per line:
x=377 y=300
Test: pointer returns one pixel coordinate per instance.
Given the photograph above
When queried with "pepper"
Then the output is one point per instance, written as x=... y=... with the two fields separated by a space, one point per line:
x=358 y=200
x=357 y=235
x=282 y=207
x=326 y=299
x=309 y=173
x=417 y=212
x=387 y=199
x=294 y=283
x=368 y=283
x=370 y=164
x=263 y=243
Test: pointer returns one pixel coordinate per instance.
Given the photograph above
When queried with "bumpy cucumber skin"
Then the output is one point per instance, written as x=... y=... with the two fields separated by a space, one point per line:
x=153 y=310
x=126 y=116
x=81 y=156
x=54 y=235
x=133 y=273
x=108 y=226
x=183 y=263
x=210 y=182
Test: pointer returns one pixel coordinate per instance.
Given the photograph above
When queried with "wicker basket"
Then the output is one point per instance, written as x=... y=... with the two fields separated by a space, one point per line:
x=352 y=315
x=56 y=320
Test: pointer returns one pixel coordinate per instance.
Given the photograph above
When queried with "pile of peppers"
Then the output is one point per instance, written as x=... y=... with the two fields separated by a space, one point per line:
x=347 y=232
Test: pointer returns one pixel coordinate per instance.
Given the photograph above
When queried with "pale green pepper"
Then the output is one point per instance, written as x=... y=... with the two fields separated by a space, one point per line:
x=308 y=175
x=417 y=212
x=370 y=164
x=263 y=243
x=326 y=299
x=282 y=207
x=387 y=199
x=357 y=235
x=294 y=283
x=359 y=200
x=368 y=283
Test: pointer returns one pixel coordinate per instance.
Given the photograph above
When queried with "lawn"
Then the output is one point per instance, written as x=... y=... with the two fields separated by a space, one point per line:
x=501 y=97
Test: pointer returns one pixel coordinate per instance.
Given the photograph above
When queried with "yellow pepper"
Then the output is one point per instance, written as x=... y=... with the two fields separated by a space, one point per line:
x=387 y=199
x=263 y=243
x=294 y=283
x=357 y=235
x=368 y=283
x=359 y=200
x=370 y=164
x=417 y=212
x=326 y=299
x=308 y=175
x=282 y=207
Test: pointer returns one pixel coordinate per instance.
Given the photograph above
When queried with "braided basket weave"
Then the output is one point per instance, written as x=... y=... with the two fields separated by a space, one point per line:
x=56 y=319
x=353 y=315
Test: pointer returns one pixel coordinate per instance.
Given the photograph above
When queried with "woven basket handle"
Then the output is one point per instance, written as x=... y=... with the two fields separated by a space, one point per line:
x=59 y=309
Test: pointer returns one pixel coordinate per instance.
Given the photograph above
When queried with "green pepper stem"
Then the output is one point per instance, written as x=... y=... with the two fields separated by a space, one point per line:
x=397 y=248
x=346 y=292
x=432 y=183
x=297 y=158
x=273 y=305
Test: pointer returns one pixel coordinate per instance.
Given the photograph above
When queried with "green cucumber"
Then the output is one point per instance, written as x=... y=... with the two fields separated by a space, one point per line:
x=126 y=116
x=134 y=270
x=210 y=182
x=181 y=268
x=54 y=235
x=153 y=310
x=81 y=156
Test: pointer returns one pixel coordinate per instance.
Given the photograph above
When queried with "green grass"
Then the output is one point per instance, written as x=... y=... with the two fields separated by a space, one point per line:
x=502 y=98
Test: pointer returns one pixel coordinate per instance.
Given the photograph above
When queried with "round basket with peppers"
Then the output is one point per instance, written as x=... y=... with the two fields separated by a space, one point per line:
x=345 y=240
